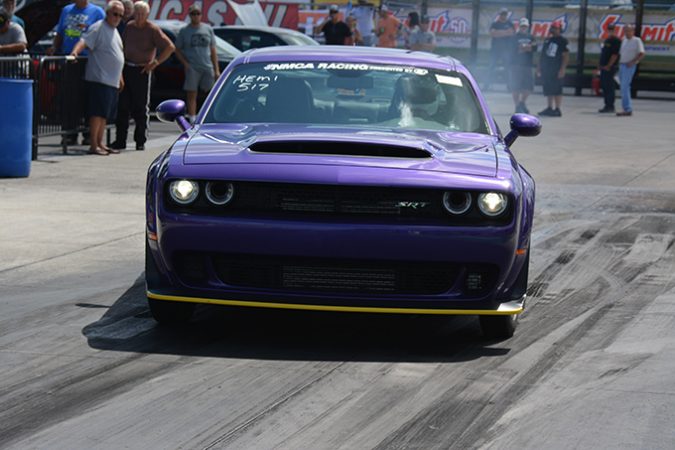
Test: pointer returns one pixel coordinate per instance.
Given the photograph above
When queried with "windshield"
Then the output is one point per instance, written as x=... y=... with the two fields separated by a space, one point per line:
x=223 y=48
x=297 y=39
x=360 y=94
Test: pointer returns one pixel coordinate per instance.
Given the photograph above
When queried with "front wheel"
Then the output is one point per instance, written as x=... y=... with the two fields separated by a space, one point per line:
x=498 y=327
x=169 y=312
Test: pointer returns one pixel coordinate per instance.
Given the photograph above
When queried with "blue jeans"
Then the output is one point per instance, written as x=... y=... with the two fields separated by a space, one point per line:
x=626 y=78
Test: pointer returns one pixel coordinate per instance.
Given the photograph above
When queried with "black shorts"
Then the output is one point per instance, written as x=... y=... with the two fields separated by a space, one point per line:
x=521 y=79
x=101 y=100
x=551 y=83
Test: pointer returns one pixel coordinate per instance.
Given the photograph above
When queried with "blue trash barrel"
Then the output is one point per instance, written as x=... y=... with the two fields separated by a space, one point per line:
x=16 y=127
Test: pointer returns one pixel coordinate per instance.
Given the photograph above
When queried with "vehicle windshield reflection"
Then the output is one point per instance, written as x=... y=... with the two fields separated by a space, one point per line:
x=363 y=95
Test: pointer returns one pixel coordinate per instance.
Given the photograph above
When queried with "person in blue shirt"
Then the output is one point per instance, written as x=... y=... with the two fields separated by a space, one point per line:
x=10 y=6
x=75 y=20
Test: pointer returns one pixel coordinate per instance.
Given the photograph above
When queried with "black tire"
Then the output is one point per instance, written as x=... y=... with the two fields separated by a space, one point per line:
x=498 y=327
x=169 y=312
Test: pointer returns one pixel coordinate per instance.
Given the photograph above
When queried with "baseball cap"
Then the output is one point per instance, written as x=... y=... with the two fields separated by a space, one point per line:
x=523 y=22
x=384 y=8
x=195 y=7
x=333 y=8
x=557 y=25
x=503 y=10
x=425 y=19
x=4 y=16
x=611 y=26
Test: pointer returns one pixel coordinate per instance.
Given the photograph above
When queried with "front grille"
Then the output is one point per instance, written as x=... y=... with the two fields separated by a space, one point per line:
x=339 y=276
x=316 y=201
x=338 y=200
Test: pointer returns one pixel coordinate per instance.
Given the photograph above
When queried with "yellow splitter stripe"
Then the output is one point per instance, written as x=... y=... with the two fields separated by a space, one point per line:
x=509 y=308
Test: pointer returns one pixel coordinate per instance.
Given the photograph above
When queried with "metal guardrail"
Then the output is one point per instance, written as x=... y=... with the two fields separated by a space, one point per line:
x=59 y=93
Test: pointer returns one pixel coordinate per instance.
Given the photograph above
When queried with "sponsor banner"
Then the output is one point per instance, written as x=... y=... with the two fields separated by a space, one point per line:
x=218 y=12
x=453 y=26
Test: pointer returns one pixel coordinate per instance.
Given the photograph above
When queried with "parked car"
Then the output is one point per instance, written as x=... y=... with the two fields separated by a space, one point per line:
x=168 y=78
x=341 y=179
x=248 y=37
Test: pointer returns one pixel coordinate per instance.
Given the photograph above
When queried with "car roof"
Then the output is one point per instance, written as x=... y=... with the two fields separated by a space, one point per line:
x=173 y=25
x=278 y=30
x=352 y=54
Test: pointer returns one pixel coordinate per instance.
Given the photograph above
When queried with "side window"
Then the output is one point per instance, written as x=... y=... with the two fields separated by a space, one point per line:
x=259 y=40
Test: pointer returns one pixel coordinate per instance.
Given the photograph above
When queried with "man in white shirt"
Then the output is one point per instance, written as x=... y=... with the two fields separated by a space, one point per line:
x=631 y=53
x=364 y=13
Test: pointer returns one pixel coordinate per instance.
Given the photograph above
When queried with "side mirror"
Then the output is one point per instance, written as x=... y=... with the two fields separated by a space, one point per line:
x=522 y=125
x=173 y=111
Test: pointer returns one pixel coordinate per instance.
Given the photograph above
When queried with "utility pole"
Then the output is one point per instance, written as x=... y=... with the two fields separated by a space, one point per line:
x=581 y=48
x=475 y=23
x=529 y=10
x=639 y=14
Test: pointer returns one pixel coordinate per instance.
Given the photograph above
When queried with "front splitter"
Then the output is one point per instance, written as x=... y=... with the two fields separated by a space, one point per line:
x=504 y=309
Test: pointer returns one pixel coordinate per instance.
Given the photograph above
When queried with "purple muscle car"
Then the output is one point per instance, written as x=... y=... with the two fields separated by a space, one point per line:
x=341 y=179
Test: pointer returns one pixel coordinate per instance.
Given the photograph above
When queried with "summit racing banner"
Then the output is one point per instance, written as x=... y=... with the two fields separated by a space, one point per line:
x=453 y=26
x=218 y=12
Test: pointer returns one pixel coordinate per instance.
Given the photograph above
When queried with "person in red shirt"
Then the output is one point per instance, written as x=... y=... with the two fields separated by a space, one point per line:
x=388 y=28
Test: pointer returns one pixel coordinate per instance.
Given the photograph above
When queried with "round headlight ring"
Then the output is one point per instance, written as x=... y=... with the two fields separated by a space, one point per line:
x=457 y=202
x=492 y=204
x=184 y=192
x=219 y=193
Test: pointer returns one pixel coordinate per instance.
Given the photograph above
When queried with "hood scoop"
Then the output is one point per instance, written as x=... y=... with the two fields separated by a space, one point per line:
x=339 y=148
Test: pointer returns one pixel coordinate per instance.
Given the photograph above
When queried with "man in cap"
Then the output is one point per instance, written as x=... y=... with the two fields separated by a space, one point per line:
x=388 y=28
x=609 y=56
x=334 y=30
x=501 y=31
x=74 y=21
x=631 y=53
x=551 y=69
x=423 y=39
x=521 y=81
x=196 y=50
x=12 y=38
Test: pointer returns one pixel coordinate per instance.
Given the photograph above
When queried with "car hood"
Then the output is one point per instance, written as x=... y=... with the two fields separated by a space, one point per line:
x=452 y=152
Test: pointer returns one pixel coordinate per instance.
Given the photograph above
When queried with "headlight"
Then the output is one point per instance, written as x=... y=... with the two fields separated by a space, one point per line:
x=184 y=191
x=492 y=203
x=457 y=202
x=219 y=193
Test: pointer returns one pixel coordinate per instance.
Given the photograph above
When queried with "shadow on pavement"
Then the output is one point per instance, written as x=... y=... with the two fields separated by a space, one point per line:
x=250 y=333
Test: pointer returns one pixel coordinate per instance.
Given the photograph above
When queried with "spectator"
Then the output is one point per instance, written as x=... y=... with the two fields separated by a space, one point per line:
x=142 y=40
x=74 y=21
x=631 y=53
x=12 y=38
x=196 y=50
x=128 y=15
x=423 y=39
x=355 y=38
x=521 y=81
x=609 y=56
x=388 y=28
x=502 y=33
x=10 y=6
x=334 y=30
x=411 y=25
x=364 y=13
x=552 y=66
x=103 y=73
